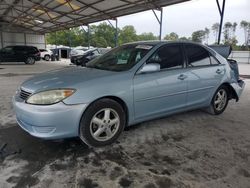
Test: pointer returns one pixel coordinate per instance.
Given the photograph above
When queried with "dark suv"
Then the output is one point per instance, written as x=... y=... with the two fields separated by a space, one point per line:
x=27 y=54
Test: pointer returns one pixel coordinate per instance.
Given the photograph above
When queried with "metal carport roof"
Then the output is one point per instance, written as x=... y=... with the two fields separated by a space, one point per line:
x=43 y=16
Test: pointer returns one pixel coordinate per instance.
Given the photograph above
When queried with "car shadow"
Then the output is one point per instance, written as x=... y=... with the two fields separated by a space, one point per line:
x=12 y=63
x=19 y=144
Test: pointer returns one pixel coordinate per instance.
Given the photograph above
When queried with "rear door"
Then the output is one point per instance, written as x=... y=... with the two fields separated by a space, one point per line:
x=162 y=91
x=20 y=53
x=204 y=75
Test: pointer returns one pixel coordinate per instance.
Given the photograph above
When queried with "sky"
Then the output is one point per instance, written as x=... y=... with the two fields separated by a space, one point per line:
x=190 y=16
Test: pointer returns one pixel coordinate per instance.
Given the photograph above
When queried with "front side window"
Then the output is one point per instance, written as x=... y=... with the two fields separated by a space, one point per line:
x=120 y=59
x=168 y=56
x=197 y=56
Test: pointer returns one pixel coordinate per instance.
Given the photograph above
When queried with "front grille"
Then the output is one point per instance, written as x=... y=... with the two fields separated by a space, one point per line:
x=24 y=94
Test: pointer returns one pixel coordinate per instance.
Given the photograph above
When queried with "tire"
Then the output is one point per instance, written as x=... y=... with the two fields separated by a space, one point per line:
x=30 y=61
x=218 y=105
x=97 y=130
x=46 y=57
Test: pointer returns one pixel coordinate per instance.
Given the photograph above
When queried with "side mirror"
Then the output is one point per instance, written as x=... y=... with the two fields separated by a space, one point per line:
x=151 y=67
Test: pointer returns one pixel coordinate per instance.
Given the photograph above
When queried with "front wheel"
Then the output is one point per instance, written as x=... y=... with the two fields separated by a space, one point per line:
x=219 y=101
x=47 y=57
x=102 y=123
x=30 y=61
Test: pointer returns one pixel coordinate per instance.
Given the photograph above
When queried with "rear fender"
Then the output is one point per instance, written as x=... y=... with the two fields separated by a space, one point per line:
x=237 y=89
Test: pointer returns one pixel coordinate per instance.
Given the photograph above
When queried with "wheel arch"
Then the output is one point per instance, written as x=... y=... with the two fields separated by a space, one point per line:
x=231 y=90
x=116 y=99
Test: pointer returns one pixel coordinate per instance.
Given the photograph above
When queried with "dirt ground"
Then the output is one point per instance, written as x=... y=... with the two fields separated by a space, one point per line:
x=192 y=149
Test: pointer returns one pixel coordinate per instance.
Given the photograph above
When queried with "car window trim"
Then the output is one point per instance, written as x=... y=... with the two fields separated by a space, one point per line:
x=137 y=72
x=172 y=44
x=209 y=53
x=204 y=66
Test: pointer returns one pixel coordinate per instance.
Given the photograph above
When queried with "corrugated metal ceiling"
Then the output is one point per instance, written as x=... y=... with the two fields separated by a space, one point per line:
x=43 y=16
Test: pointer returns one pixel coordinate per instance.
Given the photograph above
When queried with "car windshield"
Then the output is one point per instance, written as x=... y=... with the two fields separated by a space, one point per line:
x=121 y=58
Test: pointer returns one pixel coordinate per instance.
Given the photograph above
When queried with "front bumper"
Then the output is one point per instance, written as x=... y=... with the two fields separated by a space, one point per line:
x=49 y=121
x=76 y=60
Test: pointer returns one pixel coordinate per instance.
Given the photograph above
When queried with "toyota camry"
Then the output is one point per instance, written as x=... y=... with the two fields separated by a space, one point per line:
x=132 y=83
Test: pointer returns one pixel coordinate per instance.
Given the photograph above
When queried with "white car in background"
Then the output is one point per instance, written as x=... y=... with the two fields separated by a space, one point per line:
x=46 y=54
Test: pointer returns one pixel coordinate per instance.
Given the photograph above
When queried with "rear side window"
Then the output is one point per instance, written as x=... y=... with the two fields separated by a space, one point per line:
x=197 y=56
x=168 y=56
x=214 y=61
x=20 y=49
x=31 y=49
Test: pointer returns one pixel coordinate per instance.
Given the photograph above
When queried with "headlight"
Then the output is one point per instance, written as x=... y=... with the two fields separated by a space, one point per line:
x=50 y=96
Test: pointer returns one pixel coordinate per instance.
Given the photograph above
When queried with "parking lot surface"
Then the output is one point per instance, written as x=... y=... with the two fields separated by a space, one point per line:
x=191 y=149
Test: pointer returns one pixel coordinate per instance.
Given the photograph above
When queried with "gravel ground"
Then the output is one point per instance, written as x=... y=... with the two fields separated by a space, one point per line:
x=192 y=149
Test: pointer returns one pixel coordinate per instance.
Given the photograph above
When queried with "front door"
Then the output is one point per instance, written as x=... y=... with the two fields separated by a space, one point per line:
x=163 y=91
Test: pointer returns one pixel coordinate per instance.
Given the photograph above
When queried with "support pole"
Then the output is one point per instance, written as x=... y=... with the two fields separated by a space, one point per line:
x=56 y=40
x=88 y=36
x=161 y=23
x=69 y=38
x=57 y=53
x=221 y=11
x=2 y=42
x=25 y=39
x=116 y=32
x=159 y=20
x=45 y=42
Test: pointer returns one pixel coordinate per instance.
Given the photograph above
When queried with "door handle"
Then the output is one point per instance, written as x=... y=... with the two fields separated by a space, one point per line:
x=182 y=77
x=218 y=71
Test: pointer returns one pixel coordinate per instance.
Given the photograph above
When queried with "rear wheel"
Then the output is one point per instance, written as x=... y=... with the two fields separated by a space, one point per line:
x=30 y=61
x=219 y=101
x=102 y=123
x=47 y=57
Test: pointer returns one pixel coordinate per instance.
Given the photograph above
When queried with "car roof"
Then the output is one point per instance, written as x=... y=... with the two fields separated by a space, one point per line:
x=156 y=42
x=23 y=46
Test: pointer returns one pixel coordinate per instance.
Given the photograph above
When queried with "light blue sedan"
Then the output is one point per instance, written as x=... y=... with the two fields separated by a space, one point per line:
x=130 y=84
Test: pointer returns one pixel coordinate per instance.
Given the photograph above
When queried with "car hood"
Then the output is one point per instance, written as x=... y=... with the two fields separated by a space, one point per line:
x=70 y=77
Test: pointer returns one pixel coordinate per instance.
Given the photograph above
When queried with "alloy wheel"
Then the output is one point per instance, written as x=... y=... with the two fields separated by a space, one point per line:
x=220 y=100
x=104 y=124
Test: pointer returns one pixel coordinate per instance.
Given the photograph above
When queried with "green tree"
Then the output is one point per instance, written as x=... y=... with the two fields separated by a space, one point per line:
x=246 y=27
x=127 y=34
x=102 y=35
x=146 y=36
x=198 y=36
x=171 y=36
x=229 y=34
x=215 y=28
x=207 y=32
x=71 y=37
x=184 y=39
